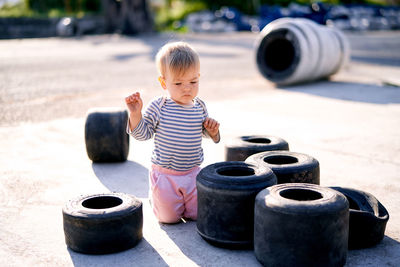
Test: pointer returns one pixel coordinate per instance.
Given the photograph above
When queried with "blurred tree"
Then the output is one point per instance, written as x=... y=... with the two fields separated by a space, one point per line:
x=64 y=6
x=127 y=16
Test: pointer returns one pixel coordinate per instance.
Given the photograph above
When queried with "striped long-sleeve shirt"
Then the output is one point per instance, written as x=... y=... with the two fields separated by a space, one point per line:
x=177 y=131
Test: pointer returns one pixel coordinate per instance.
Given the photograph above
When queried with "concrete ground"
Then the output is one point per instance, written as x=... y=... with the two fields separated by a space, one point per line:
x=350 y=124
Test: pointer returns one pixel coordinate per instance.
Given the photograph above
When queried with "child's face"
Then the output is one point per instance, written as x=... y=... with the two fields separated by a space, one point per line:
x=182 y=89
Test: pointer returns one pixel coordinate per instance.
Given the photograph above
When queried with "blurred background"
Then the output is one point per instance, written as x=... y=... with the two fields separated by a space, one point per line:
x=45 y=18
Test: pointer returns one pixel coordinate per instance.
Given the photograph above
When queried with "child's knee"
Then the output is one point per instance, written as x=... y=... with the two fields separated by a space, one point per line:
x=191 y=210
x=168 y=216
x=169 y=220
x=191 y=215
x=167 y=210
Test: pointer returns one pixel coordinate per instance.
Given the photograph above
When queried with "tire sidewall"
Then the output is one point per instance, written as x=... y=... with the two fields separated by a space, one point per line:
x=209 y=176
x=305 y=170
x=103 y=231
x=76 y=209
x=331 y=200
x=239 y=148
x=226 y=203
x=367 y=221
x=289 y=232
x=105 y=134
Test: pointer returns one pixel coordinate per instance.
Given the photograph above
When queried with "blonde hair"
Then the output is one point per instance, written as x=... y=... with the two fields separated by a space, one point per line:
x=176 y=57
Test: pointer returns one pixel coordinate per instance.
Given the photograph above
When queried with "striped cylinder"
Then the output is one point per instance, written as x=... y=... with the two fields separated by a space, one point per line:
x=296 y=50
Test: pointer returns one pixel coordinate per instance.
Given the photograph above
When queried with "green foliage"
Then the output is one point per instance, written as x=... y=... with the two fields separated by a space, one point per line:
x=17 y=10
x=167 y=13
x=167 y=17
x=51 y=8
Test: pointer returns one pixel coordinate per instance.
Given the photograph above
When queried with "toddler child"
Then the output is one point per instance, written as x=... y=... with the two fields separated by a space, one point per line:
x=178 y=123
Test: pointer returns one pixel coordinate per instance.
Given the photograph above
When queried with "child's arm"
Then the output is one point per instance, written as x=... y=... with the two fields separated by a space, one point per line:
x=142 y=127
x=134 y=104
x=212 y=128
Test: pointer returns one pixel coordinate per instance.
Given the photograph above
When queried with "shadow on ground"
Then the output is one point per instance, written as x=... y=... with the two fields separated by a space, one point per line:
x=143 y=254
x=350 y=91
x=373 y=59
x=185 y=236
x=378 y=253
x=124 y=177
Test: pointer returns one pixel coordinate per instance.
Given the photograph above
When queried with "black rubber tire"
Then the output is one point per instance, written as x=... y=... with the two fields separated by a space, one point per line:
x=103 y=223
x=240 y=148
x=301 y=225
x=226 y=193
x=289 y=167
x=105 y=135
x=368 y=218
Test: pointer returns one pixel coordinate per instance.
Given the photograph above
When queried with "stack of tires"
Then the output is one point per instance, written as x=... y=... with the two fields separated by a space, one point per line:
x=285 y=215
x=273 y=152
x=241 y=147
x=297 y=50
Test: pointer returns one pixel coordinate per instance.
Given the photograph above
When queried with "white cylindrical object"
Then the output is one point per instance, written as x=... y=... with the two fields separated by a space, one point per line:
x=291 y=51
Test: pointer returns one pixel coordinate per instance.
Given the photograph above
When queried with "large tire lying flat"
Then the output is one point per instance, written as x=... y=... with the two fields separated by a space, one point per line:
x=103 y=223
x=105 y=135
x=289 y=167
x=301 y=225
x=240 y=148
x=226 y=193
x=368 y=218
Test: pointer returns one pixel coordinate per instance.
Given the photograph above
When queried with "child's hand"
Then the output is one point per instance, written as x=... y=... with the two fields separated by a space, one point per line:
x=212 y=127
x=134 y=103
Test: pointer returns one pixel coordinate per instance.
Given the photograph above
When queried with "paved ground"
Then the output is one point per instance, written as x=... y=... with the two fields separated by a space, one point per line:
x=350 y=123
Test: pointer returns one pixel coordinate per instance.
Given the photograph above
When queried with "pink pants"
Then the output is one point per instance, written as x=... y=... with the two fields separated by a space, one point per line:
x=173 y=193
